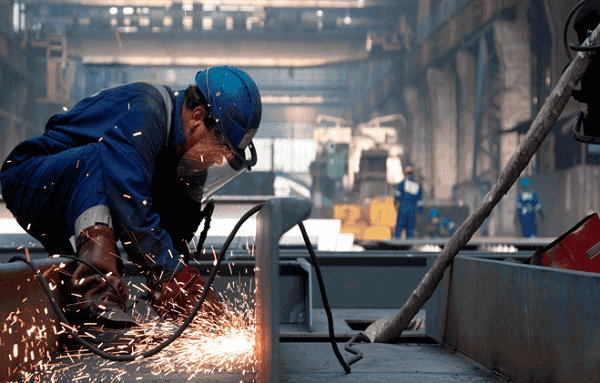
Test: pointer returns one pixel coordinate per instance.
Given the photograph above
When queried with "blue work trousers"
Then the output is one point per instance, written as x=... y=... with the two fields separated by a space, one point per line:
x=406 y=221
x=46 y=194
x=528 y=225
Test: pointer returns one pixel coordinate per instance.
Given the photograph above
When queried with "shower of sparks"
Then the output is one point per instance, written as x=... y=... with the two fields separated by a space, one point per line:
x=222 y=343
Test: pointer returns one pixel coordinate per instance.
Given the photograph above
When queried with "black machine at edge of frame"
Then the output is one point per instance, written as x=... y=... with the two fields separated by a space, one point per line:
x=586 y=128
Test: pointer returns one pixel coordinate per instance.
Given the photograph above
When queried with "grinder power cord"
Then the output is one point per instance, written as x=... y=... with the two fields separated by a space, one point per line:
x=151 y=352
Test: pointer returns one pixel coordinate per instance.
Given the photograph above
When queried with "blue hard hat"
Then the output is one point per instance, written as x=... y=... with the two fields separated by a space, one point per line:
x=433 y=213
x=235 y=106
x=525 y=182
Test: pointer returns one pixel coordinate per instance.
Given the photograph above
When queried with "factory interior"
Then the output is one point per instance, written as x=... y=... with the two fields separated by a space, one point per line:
x=417 y=201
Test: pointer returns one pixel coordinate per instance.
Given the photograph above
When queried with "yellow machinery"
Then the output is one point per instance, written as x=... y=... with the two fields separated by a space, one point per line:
x=377 y=220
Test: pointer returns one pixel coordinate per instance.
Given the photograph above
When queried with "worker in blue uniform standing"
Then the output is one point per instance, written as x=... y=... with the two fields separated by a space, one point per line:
x=407 y=201
x=133 y=163
x=527 y=207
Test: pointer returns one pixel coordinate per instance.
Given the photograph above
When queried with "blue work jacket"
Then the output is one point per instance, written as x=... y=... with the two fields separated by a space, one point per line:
x=153 y=218
x=527 y=204
x=409 y=194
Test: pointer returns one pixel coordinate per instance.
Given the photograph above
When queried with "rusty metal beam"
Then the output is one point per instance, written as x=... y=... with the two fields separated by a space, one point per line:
x=27 y=322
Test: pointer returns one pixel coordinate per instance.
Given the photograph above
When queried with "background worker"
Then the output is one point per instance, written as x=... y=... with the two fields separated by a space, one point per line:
x=407 y=201
x=527 y=206
x=439 y=226
x=133 y=163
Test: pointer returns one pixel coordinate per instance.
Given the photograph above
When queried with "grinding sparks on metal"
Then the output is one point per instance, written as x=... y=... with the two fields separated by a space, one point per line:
x=223 y=343
x=220 y=342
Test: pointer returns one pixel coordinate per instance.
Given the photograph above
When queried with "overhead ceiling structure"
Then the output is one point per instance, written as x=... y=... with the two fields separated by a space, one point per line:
x=306 y=54
x=260 y=33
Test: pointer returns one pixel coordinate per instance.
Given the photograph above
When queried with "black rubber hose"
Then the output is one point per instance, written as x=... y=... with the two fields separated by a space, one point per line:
x=186 y=323
x=165 y=343
x=581 y=48
x=566 y=30
x=360 y=337
x=94 y=268
x=334 y=345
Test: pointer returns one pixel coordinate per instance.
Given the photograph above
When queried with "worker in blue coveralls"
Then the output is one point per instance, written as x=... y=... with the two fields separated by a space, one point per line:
x=134 y=163
x=527 y=206
x=407 y=201
x=439 y=226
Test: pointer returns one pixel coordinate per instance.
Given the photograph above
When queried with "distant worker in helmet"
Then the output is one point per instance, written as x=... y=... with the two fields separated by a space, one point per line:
x=527 y=207
x=134 y=163
x=407 y=201
x=439 y=226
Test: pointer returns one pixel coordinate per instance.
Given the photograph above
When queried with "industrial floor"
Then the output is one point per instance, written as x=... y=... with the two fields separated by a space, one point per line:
x=303 y=361
x=303 y=356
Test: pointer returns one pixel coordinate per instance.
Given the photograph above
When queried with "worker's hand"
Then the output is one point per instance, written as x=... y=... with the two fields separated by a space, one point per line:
x=542 y=215
x=176 y=298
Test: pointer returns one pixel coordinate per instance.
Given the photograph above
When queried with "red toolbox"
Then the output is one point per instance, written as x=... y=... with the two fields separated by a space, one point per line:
x=577 y=249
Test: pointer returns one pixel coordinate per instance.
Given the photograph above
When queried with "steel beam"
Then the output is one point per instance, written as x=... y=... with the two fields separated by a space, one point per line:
x=27 y=321
x=529 y=323
x=275 y=218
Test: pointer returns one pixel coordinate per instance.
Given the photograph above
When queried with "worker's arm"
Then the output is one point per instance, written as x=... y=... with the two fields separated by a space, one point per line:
x=538 y=208
x=419 y=203
x=129 y=156
x=398 y=195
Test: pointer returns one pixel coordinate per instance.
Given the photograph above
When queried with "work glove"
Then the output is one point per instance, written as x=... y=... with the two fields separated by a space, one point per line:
x=101 y=298
x=176 y=297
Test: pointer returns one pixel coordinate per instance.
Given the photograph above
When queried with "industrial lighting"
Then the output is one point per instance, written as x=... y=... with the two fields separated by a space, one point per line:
x=289 y=3
x=251 y=8
x=207 y=4
x=167 y=21
x=207 y=23
x=287 y=99
x=188 y=23
x=253 y=20
x=229 y=8
x=18 y=17
x=187 y=7
x=127 y=29
x=113 y=10
x=208 y=61
x=128 y=11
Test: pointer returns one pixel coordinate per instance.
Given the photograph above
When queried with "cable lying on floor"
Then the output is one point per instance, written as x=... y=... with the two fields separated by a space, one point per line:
x=151 y=352
x=131 y=357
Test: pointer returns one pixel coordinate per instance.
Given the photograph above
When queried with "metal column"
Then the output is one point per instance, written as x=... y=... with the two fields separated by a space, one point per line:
x=275 y=218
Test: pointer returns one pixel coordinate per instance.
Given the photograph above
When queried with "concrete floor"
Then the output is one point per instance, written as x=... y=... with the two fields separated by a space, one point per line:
x=304 y=356
x=304 y=361
x=311 y=363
